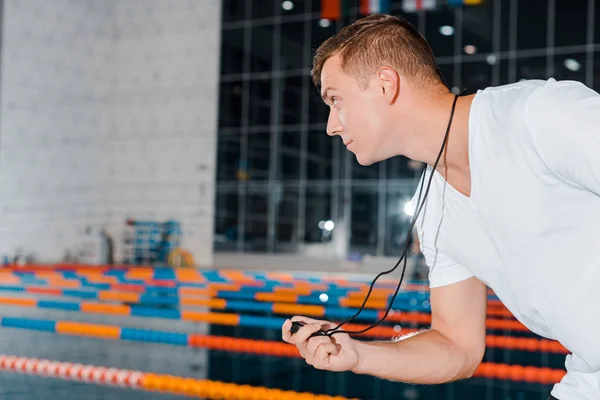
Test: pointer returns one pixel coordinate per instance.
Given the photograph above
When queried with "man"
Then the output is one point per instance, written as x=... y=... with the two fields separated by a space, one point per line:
x=514 y=204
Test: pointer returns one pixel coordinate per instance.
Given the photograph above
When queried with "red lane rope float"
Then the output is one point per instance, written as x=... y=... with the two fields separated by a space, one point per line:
x=519 y=373
x=190 y=387
x=220 y=390
x=282 y=349
x=425 y=318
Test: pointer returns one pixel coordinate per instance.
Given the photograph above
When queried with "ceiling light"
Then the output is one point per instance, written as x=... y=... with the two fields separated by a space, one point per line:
x=408 y=209
x=446 y=30
x=324 y=23
x=287 y=5
x=470 y=49
x=572 y=65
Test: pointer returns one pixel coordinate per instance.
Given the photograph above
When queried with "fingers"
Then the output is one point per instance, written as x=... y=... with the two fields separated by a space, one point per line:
x=325 y=325
x=306 y=320
x=286 y=335
x=313 y=345
x=317 y=350
x=323 y=355
x=301 y=338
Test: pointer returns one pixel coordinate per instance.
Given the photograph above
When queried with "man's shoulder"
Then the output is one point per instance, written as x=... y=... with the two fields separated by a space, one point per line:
x=560 y=94
x=503 y=107
x=557 y=102
x=559 y=113
x=530 y=101
x=540 y=91
x=519 y=89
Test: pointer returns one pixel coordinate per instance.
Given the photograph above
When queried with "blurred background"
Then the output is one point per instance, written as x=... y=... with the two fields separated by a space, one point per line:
x=278 y=175
x=166 y=183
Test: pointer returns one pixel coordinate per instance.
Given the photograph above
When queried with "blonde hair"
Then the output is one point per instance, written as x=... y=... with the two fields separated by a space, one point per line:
x=376 y=41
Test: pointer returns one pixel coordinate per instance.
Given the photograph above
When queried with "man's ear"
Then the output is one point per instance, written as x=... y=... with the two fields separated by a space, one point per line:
x=389 y=81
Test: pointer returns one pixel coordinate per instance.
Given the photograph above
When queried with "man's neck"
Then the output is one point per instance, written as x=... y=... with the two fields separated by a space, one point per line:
x=454 y=162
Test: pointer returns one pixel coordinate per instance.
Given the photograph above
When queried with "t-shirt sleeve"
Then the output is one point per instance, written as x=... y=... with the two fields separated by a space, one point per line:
x=443 y=270
x=564 y=119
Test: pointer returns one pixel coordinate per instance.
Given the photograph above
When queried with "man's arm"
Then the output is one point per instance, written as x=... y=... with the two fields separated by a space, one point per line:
x=451 y=350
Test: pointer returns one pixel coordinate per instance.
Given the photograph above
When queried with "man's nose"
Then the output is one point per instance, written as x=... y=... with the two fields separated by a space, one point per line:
x=334 y=126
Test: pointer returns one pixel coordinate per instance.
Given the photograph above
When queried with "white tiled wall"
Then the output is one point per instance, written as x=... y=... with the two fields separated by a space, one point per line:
x=108 y=111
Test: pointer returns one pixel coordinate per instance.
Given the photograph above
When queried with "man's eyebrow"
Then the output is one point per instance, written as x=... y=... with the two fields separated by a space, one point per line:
x=324 y=93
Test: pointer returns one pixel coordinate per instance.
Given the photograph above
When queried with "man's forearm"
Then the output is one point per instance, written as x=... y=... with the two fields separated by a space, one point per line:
x=425 y=358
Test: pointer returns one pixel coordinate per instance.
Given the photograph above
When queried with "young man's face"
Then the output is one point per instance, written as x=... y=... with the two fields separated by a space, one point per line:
x=357 y=115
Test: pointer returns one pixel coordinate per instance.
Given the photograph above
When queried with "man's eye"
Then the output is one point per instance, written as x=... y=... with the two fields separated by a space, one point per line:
x=335 y=101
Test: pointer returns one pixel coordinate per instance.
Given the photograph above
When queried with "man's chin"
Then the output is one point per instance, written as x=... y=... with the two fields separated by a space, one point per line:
x=363 y=160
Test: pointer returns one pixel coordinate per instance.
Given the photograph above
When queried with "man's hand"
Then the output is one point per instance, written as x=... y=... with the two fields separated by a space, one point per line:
x=451 y=350
x=332 y=353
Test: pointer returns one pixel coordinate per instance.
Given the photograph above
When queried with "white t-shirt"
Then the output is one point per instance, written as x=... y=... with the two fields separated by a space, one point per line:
x=531 y=228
